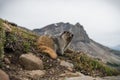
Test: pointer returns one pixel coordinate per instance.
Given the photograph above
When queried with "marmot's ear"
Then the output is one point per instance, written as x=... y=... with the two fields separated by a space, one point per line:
x=65 y=32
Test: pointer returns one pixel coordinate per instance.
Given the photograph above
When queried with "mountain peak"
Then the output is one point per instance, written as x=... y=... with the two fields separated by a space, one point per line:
x=77 y=29
x=77 y=24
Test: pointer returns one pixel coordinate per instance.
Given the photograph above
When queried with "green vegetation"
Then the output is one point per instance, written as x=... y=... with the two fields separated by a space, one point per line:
x=19 y=40
x=26 y=46
x=90 y=66
x=2 y=39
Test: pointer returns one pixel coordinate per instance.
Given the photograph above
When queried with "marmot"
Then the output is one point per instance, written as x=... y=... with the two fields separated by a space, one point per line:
x=54 y=45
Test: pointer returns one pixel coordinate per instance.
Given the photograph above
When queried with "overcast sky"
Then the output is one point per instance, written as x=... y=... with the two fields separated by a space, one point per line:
x=100 y=18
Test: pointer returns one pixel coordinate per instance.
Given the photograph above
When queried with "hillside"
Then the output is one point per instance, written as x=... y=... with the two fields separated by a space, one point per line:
x=81 y=41
x=20 y=59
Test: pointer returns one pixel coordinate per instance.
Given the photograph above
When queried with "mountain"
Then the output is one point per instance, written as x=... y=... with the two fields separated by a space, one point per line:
x=117 y=47
x=81 y=41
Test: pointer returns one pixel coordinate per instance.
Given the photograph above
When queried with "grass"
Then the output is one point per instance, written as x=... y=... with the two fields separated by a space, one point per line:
x=18 y=40
x=2 y=39
x=90 y=66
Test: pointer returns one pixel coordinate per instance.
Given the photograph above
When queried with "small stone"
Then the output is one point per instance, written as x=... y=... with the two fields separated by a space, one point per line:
x=7 y=61
x=21 y=69
x=3 y=75
x=7 y=66
x=70 y=69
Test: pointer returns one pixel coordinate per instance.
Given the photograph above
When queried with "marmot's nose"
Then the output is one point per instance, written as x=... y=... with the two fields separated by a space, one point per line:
x=59 y=53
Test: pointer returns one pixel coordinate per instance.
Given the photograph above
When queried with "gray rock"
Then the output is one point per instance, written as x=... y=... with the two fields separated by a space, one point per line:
x=29 y=74
x=35 y=73
x=78 y=76
x=66 y=64
x=31 y=62
x=70 y=74
x=7 y=60
x=3 y=75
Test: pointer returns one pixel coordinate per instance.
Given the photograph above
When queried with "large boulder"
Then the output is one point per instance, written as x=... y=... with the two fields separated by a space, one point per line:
x=3 y=75
x=31 y=62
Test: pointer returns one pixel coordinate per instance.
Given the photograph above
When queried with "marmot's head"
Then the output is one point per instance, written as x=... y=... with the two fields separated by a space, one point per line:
x=67 y=36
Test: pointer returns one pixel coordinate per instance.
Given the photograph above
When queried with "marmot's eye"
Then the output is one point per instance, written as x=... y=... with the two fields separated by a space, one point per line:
x=66 y=32
x=72 y=35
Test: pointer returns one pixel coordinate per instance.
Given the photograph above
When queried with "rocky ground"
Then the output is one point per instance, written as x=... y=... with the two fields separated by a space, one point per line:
x=41 y=67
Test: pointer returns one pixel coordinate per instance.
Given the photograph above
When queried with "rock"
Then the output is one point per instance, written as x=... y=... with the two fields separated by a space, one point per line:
x=83 y=78
x=19 y=78
x=77 y=76
x=70 y=74
x=24 y=79
x=7 y=61
x=3 y=75
x=7 y=66
x=7 y=28
x=29 y=75
x=68 y=65
x=35 y=73
x=112 y=77
x=31 y=62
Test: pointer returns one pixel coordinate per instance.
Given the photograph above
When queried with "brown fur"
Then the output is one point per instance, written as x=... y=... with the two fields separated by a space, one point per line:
x=46 y=45
x=54 y=45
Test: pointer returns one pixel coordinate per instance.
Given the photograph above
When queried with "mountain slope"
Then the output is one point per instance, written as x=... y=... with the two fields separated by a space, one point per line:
x=117 y=47
x=81 y=41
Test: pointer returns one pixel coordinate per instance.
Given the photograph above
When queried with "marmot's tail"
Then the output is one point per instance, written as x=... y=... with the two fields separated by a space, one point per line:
x=49 y=51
